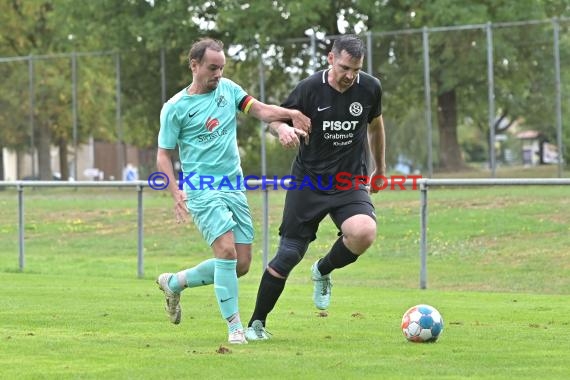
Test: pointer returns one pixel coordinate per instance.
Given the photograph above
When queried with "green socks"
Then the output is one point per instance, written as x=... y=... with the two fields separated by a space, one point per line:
x=221 y=273
x=200 y=275
x=226 y=286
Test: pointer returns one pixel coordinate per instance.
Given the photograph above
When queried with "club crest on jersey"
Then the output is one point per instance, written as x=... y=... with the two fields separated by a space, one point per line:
x=355 y=109
x=211 y=124
x=221 y=101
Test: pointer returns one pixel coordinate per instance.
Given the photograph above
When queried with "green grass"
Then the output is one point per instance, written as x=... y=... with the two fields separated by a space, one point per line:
x=498 y=271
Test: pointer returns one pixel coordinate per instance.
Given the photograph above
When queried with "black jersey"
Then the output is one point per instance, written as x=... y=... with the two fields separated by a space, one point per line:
x=338 y=141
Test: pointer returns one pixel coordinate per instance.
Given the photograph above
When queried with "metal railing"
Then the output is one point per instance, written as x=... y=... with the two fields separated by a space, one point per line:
x=424 y=184
x=421 y=184
x=20 y=185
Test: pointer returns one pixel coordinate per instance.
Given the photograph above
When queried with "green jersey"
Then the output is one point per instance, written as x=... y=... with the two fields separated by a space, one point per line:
x=204 y=128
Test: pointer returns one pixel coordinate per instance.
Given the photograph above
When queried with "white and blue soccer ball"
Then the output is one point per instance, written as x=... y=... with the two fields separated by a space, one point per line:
x=422 y=323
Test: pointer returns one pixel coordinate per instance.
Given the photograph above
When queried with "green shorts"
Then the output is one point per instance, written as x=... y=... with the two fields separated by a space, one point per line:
x=217 y=212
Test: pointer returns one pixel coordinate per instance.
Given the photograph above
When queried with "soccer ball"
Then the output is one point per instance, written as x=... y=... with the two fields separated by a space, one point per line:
x=422 y=323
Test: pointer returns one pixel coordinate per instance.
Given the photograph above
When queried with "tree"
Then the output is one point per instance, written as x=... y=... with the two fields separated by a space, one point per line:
x=43 y=29
x=458 y=61
x=275 y=34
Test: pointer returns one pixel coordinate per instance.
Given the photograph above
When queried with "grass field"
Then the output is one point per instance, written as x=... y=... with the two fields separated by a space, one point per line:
x=498 y=271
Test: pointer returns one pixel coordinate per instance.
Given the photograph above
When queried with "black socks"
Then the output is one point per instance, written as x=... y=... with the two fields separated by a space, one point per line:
x=270 y=288
x=338 y=257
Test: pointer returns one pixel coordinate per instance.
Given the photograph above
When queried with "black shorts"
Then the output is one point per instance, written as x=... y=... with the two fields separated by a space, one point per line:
x=305 y=209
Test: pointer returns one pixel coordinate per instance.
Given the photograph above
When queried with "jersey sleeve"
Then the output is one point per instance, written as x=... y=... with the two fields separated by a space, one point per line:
x=295 y=99
x=242 y=101
x=169 y=127
x=376 y=108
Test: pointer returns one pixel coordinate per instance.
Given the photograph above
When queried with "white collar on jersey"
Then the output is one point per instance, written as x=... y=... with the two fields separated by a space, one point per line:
x=325 y=76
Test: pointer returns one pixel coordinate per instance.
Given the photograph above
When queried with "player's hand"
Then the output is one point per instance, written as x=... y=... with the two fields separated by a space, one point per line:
x=289 y=136
x=300 y=121
x=180 y=208
x=376 y=181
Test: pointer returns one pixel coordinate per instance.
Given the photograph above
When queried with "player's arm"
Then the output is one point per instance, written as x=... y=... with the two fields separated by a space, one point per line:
x=164 y=164
x=270 y=113
x=288 y=136
x=377 y=143
x=167 y=140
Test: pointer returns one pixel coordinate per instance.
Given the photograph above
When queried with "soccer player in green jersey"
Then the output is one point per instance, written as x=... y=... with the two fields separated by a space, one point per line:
x=202 y=120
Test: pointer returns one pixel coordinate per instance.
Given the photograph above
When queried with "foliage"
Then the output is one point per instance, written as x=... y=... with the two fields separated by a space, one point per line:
x=458 y=58
x=278 y=160
x=150 y=34
x=40 y=30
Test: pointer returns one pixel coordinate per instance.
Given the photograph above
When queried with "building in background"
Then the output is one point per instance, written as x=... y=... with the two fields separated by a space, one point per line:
x=536 y=150
x=96 y=160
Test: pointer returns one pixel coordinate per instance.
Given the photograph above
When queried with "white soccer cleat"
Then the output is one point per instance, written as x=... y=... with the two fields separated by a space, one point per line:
x=257 y=331
x=172 y=299
x=321 y=288
x=237 y=337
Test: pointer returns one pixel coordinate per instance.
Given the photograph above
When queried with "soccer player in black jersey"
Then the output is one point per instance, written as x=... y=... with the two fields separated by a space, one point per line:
x=344 y=105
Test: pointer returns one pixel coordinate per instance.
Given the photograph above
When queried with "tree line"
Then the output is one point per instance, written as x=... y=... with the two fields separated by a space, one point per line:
x=154 y=36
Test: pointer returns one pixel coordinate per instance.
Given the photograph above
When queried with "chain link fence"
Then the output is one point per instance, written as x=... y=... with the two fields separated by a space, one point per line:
x=503 y=85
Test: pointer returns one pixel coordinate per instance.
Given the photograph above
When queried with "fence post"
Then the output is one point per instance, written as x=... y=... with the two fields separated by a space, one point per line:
x=427 y=95
x=556 y=28
x=21 y=260
x=423 y=235
x=31 y=116
x=162 y=75
x=74 y=113
x=313 y=53
x=369 y=50
x=265 y=192
x=118 y=116
x=140 y=246
x=491 y=95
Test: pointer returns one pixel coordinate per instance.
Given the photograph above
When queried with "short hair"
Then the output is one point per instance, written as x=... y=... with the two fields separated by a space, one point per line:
x=349 y=43
x=199 y=47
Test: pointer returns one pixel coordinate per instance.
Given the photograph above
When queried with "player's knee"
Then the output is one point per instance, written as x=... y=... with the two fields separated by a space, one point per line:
x=362 y=237
x=284 y=262
x=243 y=258
x=225 y=251
x=242 y=268
x=289 y=254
